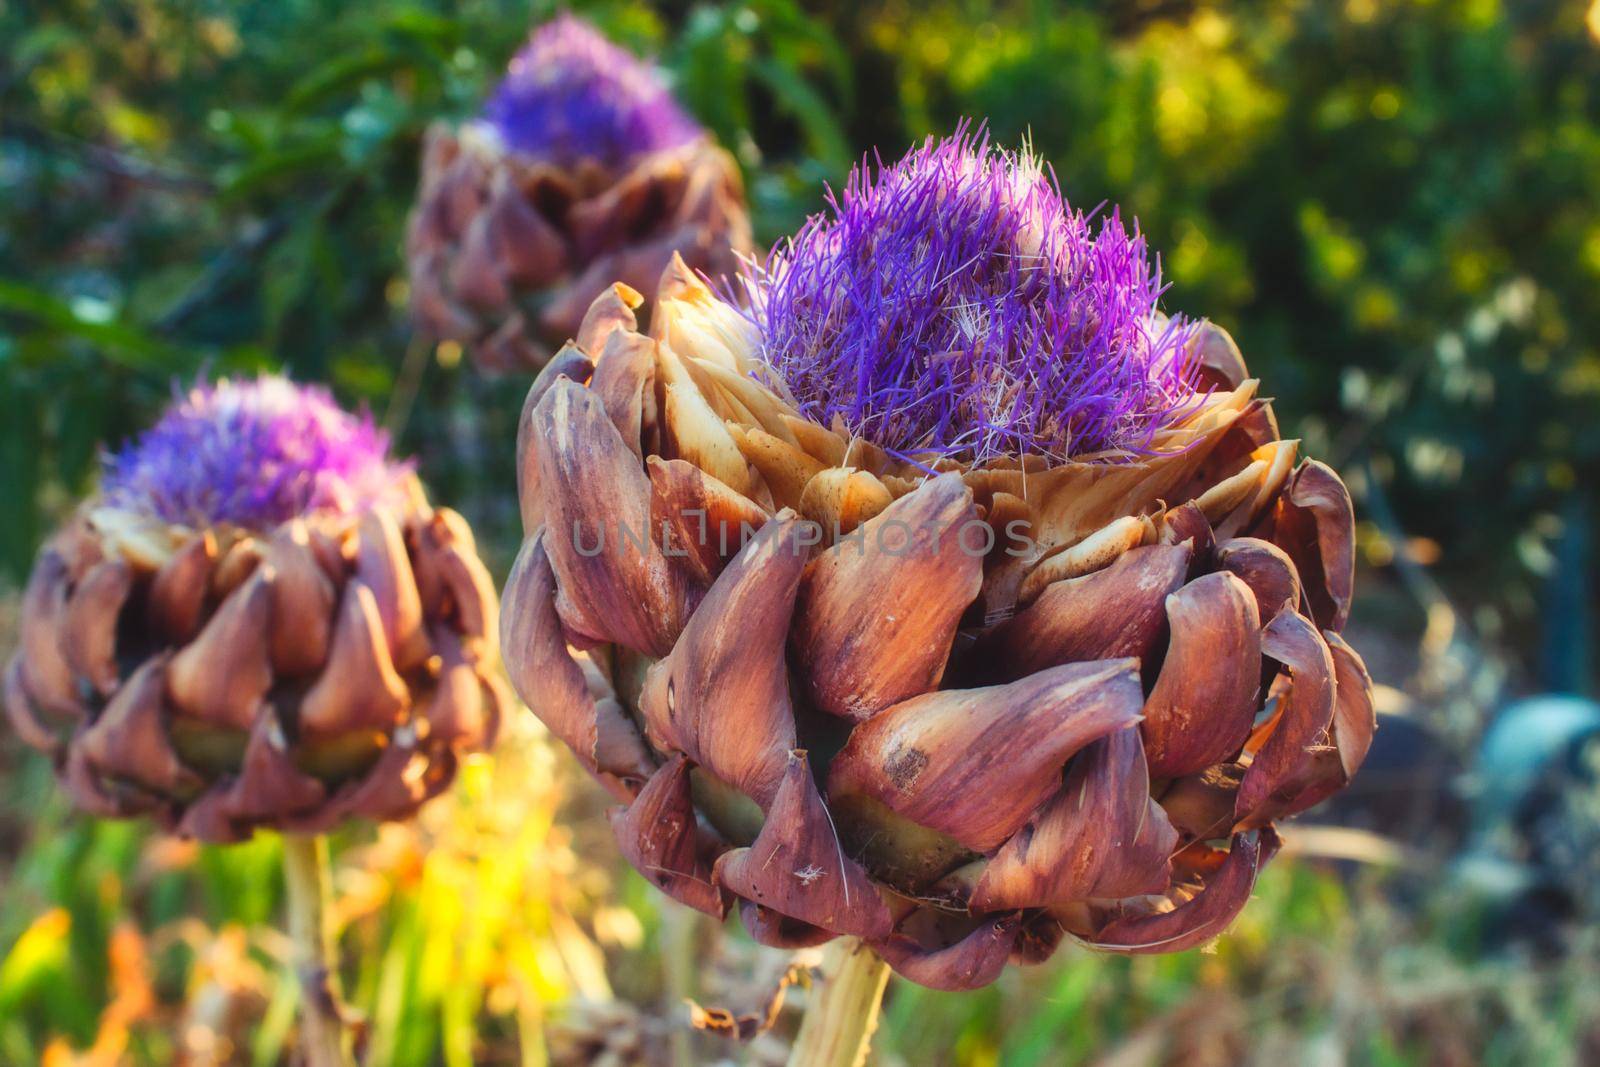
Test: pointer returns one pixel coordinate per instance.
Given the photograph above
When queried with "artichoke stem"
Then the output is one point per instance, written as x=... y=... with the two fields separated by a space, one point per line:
x=843 y=1013
x=680 y=936
x=324 y=1039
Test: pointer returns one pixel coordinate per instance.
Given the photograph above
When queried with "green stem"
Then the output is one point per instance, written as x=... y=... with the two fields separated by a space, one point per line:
x=404 y=394
x=843 y=1012
x=324 y=1039
x=680 y=929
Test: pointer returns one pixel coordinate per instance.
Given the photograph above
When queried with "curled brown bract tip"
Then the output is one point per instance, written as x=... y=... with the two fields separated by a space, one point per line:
x=624 y=380
x=797 y=866
x=534 y=650
x=722 y=695
x=767 y=927
x=1200 y=710
x=399 y=781
x=1113 y=612
x=615 y=582
x=222 y=676
x=572 y=364
x=1304 y=711
x=659 y=836
x=46 y=674
x=178 y=591
x=302 y=602
x=128 y=740
x=89 y=626
x=975 y=763
x=706 y=522
x=877 y=614
x=1100 y=836
x=1204 y=915
x=22 y=714
x=970 y=963
x=1220 y=363
x=677 y=281
x=469 y=604
x=457 y=710
x=1266 y=569
x=611 y=311
x=358 y=689
x=840 y=499
x=1315 y=523
x=1334 y=756
x=1355 y=719
x=384 y=568
x=269 y=785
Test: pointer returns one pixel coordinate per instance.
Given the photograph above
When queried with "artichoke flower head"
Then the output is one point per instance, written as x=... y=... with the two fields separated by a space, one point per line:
x=581 y=170
x=570 y=95
x=257 y=621
x=940 y=591
x=252 y=454
x=954 y=304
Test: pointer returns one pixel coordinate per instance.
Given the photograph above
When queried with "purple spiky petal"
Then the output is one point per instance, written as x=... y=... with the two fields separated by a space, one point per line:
x=254 y=454
x=954 y=303
x=571 y=95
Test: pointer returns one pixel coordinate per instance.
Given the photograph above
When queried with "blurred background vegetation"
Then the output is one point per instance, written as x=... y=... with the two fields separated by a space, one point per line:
x=1395 y=208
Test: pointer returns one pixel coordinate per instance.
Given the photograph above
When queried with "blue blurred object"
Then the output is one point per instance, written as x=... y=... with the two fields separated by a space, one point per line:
x=1534 y=854
x=1527 y=742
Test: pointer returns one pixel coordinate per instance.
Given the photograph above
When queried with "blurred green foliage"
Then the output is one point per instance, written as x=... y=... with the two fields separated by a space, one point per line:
x=459 y=932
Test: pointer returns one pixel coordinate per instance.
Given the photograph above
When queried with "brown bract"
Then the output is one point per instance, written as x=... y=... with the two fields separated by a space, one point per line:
x=722 y=694
x=974 y=763
x=223 y=680
x=797 y=866
x=659 y=836
x=963 y=714
x=506 y=253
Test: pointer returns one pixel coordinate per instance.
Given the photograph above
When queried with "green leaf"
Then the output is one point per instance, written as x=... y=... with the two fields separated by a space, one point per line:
x=340 y=74
x=242 y=180
x=824 y=137
x=121 y=343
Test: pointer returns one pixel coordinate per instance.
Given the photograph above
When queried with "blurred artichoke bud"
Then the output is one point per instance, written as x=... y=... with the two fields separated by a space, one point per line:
x=259 y=621
x=582 y=171
x=948 y=596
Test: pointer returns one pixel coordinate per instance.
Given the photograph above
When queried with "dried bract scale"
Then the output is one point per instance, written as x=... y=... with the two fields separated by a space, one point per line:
x=258 y=622
x=962 y=635
x=582 y=171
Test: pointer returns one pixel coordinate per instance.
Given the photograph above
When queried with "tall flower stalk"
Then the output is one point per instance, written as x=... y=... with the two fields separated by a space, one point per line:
x=325 y=1040
x=843 y=1014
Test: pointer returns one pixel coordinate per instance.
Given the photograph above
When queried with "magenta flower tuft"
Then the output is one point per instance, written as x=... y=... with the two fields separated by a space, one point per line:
x=954 y=303
x=254 y=454
x=571 y=95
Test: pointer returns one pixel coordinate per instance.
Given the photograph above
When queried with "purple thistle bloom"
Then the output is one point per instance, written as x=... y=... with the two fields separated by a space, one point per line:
x=954 y=304
x=570 y=95
x=253 y=454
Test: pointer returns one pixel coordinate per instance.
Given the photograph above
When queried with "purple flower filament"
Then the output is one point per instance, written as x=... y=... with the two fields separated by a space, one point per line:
x=954 y=304
x=253 y=454
x=571 y=95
